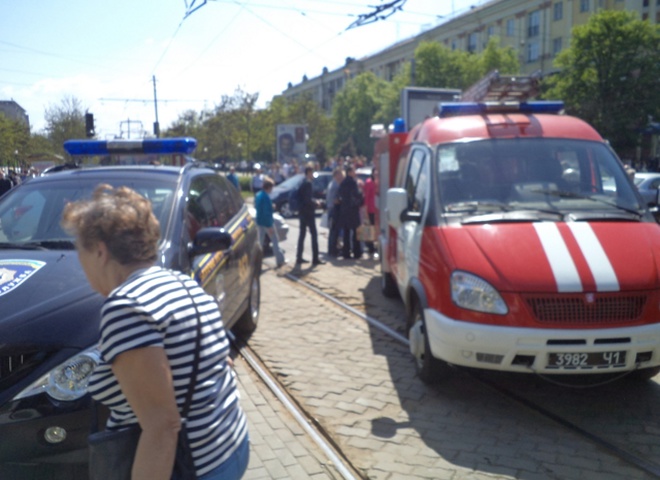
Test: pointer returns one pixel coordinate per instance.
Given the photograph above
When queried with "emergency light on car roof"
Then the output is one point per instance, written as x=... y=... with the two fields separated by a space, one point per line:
x=181 y=145
x=474 y=108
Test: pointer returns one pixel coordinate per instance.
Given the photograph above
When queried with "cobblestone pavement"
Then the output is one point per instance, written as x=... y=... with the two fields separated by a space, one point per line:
x=361 y=387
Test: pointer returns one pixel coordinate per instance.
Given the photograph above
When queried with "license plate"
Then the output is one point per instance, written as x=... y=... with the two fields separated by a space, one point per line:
x=587 y=360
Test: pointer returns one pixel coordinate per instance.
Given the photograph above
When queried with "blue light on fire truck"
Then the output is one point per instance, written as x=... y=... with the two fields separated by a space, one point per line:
x=481 y=108
x=182 y=145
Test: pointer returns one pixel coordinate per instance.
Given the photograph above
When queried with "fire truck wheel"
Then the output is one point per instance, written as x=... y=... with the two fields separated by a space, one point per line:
x=644 y=374
x=388 y=285
x=429 y=369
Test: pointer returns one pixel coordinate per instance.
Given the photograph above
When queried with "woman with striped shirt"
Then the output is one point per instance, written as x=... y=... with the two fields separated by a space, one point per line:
x=148 y=333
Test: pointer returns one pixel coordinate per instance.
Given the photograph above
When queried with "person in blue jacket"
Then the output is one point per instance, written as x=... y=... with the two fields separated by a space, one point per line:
x=231 y=176
x=265 y=224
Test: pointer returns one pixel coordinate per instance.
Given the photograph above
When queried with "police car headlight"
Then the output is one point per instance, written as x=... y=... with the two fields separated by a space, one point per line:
x=67 y=381
x=473 y=293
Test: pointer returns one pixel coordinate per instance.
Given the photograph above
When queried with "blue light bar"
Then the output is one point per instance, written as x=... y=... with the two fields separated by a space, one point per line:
x=182 y=145
x=483 y=108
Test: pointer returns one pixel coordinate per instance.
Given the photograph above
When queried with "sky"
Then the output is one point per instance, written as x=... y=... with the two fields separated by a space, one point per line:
x=106 y=54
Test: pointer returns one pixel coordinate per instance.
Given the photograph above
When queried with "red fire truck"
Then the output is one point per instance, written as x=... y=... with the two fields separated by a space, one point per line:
x=518 y=243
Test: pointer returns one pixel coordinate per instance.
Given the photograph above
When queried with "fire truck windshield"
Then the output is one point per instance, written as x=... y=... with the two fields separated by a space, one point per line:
x=557 y=174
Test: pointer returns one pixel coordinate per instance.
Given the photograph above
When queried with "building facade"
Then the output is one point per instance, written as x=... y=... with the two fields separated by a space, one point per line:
x=14 y=111
x=536 y=29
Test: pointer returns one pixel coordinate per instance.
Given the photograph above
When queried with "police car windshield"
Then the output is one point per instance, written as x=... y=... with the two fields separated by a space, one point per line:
x=31 y=214
x=560 y=175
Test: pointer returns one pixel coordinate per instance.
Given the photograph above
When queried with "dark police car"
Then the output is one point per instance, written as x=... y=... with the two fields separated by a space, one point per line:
x=50 y=316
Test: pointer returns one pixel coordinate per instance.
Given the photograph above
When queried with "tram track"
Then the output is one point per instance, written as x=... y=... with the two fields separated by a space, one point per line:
x=631 y=458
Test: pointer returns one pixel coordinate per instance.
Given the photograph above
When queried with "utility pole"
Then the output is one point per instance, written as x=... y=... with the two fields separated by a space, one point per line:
x=156 y=124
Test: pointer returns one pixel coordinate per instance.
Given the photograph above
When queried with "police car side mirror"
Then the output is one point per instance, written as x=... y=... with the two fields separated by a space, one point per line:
x=210 y=240
x=397 y=204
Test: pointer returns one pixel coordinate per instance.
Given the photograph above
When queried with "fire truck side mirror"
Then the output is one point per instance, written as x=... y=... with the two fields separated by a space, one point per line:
x=397 y=204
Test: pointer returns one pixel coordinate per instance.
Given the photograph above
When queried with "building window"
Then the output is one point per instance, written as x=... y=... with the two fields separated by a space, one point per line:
x=584 y=6
x=510 y=28
x=472 y=42
x=645 y=3
x=556 y=45
x=533 y=24
x=454 y=45
x=558 y=11
x=491 y=31
x=532 y=52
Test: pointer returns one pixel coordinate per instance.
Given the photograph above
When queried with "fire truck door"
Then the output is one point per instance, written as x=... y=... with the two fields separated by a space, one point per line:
x=409 y=236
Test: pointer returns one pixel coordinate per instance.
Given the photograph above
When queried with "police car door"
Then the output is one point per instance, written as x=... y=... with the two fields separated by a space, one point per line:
x=216 y=272
x=417 y=184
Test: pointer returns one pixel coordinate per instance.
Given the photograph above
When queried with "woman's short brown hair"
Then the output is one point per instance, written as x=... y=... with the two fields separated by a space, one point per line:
x=119 y=217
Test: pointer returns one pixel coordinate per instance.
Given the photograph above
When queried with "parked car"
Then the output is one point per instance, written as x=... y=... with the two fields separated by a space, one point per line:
x=281 y=192
x=647 y=184
x=49 y=325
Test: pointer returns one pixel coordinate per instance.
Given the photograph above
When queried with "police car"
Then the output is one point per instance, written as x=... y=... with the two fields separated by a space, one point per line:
x=50 y=315
x=518 y=243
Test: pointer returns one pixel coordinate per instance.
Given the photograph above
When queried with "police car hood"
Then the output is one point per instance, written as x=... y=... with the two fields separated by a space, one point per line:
x=46 y=300
x=559 y=257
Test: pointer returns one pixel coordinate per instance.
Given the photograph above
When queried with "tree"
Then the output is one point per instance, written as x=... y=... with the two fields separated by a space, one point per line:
x=609 y=75
x=356 y=108
x=64 y=122
x=14 y=141
x=439 y=67
x=494 y=57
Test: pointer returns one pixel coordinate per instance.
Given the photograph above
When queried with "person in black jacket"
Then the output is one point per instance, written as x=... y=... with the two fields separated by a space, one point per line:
x=307 y=215
x=350 y=201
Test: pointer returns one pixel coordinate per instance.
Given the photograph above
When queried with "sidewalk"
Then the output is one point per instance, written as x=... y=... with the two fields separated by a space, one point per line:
x=279 y=448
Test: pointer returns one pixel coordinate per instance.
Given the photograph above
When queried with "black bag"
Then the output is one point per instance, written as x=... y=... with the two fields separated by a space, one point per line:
x=112 y=452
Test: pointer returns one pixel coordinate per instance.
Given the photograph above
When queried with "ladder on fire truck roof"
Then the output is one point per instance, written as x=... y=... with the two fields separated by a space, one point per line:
x=503 y=88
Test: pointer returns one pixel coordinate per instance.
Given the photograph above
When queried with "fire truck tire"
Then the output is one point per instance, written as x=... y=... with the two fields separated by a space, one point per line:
x=429 y=369
x=644 y=374
x=388 y=285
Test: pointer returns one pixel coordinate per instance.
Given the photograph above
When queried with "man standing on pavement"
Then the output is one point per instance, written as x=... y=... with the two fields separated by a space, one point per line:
x=265 y=224
x=350 y=201
x=5 y=183
x=332 y=206
x=307 y=219
x=232 y=177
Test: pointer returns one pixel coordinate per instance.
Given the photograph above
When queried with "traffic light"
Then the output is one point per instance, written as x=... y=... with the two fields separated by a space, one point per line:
x=89 y=125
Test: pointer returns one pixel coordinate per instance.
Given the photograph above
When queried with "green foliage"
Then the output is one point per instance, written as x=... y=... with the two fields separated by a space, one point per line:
x=14 y=141
x=609 y=75
x=356 y=108
x=439 y=67
x=64 y=122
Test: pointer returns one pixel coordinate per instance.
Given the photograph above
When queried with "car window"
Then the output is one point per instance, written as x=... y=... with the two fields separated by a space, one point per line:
x=32 y=212
x=417 y=181
x=210 y=203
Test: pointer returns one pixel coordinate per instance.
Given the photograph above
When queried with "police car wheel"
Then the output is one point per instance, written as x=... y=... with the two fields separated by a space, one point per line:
x=429 y=369
x=247 y=323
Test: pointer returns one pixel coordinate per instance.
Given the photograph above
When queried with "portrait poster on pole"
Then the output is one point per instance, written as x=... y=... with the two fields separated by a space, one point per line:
x=291 y=143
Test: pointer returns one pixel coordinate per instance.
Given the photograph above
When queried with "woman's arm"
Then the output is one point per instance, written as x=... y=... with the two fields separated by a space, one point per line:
x=146 y=379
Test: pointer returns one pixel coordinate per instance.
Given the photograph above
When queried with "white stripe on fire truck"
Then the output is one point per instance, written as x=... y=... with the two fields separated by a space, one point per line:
x=562 y=264
x=592 y=249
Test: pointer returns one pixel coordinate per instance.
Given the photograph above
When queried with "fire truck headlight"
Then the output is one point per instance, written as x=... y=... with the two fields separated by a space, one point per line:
x=473 y=293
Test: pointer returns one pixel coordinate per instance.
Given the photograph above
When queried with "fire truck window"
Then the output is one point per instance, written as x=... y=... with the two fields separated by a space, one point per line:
x=417 y=181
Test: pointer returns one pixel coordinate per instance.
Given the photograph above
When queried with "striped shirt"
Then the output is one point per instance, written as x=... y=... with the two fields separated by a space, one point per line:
x=152 y=308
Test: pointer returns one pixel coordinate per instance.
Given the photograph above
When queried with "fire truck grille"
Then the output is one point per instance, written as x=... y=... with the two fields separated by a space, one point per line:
x=580 y=309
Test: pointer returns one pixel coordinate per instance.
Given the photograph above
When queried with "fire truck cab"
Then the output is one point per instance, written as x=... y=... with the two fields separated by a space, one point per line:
x=518 y=243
